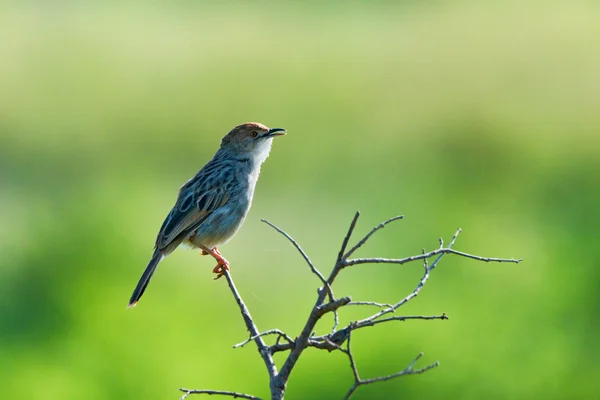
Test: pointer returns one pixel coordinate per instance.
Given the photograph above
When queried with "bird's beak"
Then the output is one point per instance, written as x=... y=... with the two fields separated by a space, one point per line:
x=274 y=132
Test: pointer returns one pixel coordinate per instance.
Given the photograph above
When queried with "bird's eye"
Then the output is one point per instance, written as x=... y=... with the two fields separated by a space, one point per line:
x=254 y=134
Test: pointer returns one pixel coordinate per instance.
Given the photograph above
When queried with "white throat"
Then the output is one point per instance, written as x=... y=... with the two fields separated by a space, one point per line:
x=262 y=151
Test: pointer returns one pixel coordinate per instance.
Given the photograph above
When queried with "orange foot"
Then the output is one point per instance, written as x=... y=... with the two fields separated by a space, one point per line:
x=222 y=263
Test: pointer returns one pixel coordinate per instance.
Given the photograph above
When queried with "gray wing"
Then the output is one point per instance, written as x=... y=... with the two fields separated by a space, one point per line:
x=198 y=198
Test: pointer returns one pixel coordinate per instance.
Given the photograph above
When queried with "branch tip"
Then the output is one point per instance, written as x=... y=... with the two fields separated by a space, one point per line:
x=368 y=235
x=347 y=237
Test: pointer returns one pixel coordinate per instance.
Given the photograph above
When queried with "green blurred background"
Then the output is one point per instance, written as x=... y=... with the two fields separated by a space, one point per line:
x=466 y=114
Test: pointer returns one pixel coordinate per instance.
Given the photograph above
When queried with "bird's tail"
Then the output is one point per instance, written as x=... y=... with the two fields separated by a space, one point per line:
x=145 y=279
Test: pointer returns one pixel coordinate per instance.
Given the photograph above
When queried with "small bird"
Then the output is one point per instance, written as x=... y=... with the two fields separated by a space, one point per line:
x=212 y=206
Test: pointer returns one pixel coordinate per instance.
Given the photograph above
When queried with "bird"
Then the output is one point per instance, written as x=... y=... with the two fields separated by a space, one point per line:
x=212 y=206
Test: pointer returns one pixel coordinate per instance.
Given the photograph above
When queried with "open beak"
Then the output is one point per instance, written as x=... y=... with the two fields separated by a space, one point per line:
x=275 y=132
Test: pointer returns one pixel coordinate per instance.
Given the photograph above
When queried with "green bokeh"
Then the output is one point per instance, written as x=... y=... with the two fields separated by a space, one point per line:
x=470 y=114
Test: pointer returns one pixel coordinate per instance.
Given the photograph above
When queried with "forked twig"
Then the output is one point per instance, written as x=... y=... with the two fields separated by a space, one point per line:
x=334 y=339
x=368 y=235
x=409 y=370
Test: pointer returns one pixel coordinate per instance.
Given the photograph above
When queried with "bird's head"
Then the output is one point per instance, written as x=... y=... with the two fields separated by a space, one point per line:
x=251 y=137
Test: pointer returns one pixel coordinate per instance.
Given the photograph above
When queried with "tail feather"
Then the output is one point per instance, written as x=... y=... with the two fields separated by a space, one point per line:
x=145 y=279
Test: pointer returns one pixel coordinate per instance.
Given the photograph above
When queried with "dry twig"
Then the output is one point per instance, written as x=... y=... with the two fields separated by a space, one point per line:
x=334 y=340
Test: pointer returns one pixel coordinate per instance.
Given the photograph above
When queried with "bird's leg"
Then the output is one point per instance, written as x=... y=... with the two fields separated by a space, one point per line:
x=222 y=263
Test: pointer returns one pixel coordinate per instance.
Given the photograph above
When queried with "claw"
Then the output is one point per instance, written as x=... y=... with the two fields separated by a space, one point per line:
x=222 y=263
x=219 y=276
x=221 y=268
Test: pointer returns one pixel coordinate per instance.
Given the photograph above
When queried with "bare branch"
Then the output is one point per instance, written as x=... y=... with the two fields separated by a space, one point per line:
x=334 y=340
x=405 y=300
x=438 y=258
x=235 y=395
x=320 y=344
x=263 y=349
x=312 y=267
x=440 y=251
x=332 y=306
x=409 y=370
x=368 y=235
x=377 y=260
x=348 y=352
x=305 y=256
x=458 y=231
x=369 y=303
x=269 y=332
x=336 y=320
x=297 y=246
x=277 y=347
x=347 y=238
x=368 y=322
x=327 y=342
x=302 y=342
